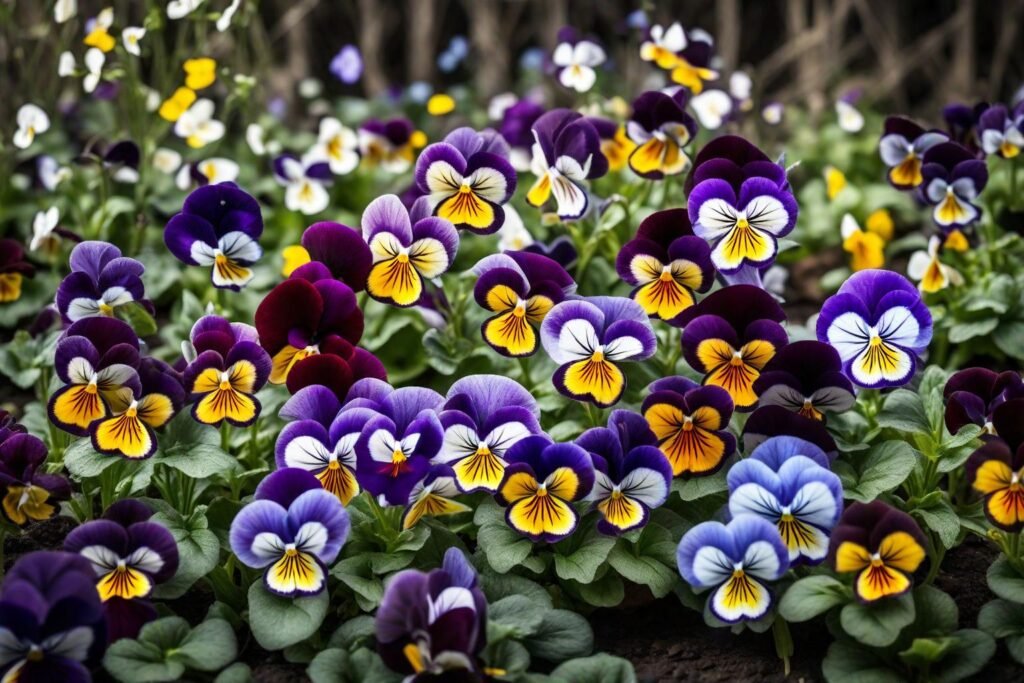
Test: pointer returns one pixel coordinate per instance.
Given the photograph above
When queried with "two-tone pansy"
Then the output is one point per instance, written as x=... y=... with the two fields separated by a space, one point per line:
x=405 y=252
x=736 y=560
x=666 y=263
x=615 y=143
x=931 y=274
x=882 y=545
x=879 y=325
x=218 y=227
x=588 y=338
x=542 y=481
x=631 y=476
x=661 y=129
x=663 y=45
x=519 y=289
x=690 y=423
x=27 y=492
x=389 y=144
x=730 y=336
x=305 y=182
x=685 y=54
x=14 y=268
x=226 y=367
x=787 y=482
x=517 y=129
x=467 y=178
x=483 y=417
x=338 y=145
x=774 y=420
x=1000 y=132
x=433 y=496
x=805 y=377
x=101 y=282
x=566 y=152
x=902 y=149
x=953 y=179
x=575 y=59
x=996 y=469
x=973 y=394
x=293 y=529
x=128 y=429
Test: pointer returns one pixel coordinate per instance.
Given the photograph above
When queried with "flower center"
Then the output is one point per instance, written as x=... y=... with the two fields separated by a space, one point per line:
x=92 y=388
x=225 y=381
x=290 y=550
x=666 y=274
x=542 y=490
x=403 y=258
x=106 y=309
x=398 y=457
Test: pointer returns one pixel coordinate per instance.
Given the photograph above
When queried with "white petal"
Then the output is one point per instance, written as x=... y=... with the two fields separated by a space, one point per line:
x=382 y=445
x=716 y=217
x=459 y=441
x=267 y=546
x=767 y=214
x=752 y=498
x=307 y=453
x=849 y=335
x=893 y=149
x=146 y=560
x=588 y=53
x=711 y=566
x=761 y=560
x=646 y=486
x=571 y=199
x=504 y=436
x=103 y=559
x=311 y=538
x=562 y=56
x=576 y=340
x=623 y=348
x=814 y=504
x=238 y=246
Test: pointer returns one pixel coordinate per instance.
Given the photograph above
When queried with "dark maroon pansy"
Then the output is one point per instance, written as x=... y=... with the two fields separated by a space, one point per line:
x=341 y=249
x=807 y=378
x=974 y=393
x=769 y=421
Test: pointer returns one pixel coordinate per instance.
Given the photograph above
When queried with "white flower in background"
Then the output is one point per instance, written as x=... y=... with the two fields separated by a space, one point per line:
x=63 y=10
x=740 y=87
x=43 y=226
x=66 y=64
x=255 y=137
x=153 y=99
x=131 y=37
x=513 y=235
x=304 y=183
x=772 y=113
x=664 y=45
x=930 y=273
x=218 y=170
x=850 y=120
x=499 y=103
x=51 y=174
x=774 y=280
x=224 y=20
x=32 y=121
x=337 y=145
x=105 y=19
x=577 y=63
x=94 y=61
x=712 y=107
x=178 y=9
x=166 y=160
x=197 y=125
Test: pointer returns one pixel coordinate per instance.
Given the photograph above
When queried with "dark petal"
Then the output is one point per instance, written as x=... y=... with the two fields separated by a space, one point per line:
x=546 y=128
x=990 y=449
x=100 y=532
x=947 y=155
x=769 y=421
x=342 y=250
x=366 y=365
x=293 y=304
x=21 y=453
x=978 y=381
x=678 y=384
x=731 y=147
x=323 y=369
x=1008 y=419
x=285 y=485
x=127 y=512
x=539 y=268
x=494 y=278
x=900 y=125
x=403 y=609
x=184 y=230
x=104 y=333
x=227 y=208
x=964 y=408
x=890 y=521
x=739 y=306
x=341 y=314
x=91 y=257
x=665 y=226
x=314 y=271
x=974 y=169
x=125 y=618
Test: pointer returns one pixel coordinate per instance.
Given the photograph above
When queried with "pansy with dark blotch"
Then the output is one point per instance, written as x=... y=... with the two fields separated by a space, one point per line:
x=737 y=560
x=305 y=181
x=734 y=159
x=128 y=430
x=615 y=143
x=902 y=149
x=962 y=124
x=432 y=626
x=52 y=626
x=517 y=129
x=219 y=226
x=101 y=281
x=882 y=545
x=433 y=496
x=293 y=529
x=338 y=248
x=973 y=394
x=631 y=476
x=773 y=420
x=227 y=369
x=483 y=416
x=130 y=555
x=1000 y=132
x=28 y=492
x=467 y=178
x=121 y=160
x=566 y=152
x=661 y=130
x=13 y=270
x=806 y=377
x=666 y=263
x=519 y=288
x=690 y=423
x=953 y=179
x=787 y=482
x=388 y=144
x=406 y=249
x=542 y=481
x=561 y=250
x=879 y=325
x=996 y=469
x=588 y=338
x=95 y=359
x=730 y=336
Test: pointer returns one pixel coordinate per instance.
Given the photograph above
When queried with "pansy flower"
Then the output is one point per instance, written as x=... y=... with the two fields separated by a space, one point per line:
x=879 y=325
x=713 y=108
x=996 y=469
x=467 y=178
x=631 y=476
x=807 y=378
x=389 y=144
x=519 y=288
x=866 y=248
x=615 y=143
x=686 y=54
x=28 y=493
x=661 y=129
x=101 y=282
x=567 y=152
x=52 y=626
x=962 y=123
x=293 y=528
x=541 y=482
x=13 y=270
x=588 y=338
x=338 y=145
x=32 y=121
x=517 y=129
x=128 y=429
x=305 y=181
x=337 y=247
x=405 y=252
x=197 y=126
x=575 y=58
x=1001 y=132
x=774 y=420
x=483 y=416
x=96 y=358
x=902 y=149
x=932 y=275
x=347 y=64
x=690 y=423
x=787 y=482
x=98 y=35
x=561 y=250
x=953 y=179
x=206 y=172
x=513 y=235
x=737 y=560
x=433 y=496
x=882 y=545
x=218 y=226
x=663 y=45
x=974 y=393
x=175 y=106
x=433 y=625
x=730 y=336
x=226 y=369
x=666 y=263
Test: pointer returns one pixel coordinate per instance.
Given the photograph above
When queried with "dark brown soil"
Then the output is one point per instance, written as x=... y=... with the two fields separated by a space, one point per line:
x=46 y=535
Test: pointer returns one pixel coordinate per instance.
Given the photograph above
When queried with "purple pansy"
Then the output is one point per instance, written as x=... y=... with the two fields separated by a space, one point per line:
x=561 y=250
x=973 y=394
x=902 y=149
x=952 y=180
x=566 y=152
x=388 y=144
x=433 y=496
x=101 y=282
x=769 y=421
x=28 y=493
x=1000 y=131
x=347 y=65
x=517 y=129
x=806 y=377
x=661 y=129
x=340 y=249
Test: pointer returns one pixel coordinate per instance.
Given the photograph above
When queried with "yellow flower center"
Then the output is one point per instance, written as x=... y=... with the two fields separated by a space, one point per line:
x=598 y=357
x=403 y=258
x=398 y=457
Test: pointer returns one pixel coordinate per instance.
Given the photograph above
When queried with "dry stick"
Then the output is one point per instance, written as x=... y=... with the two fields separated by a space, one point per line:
x=485 y=23
x=422 y=25
x=917 y=53
x=1004 y=48
x=962 y=57
x=372 y=17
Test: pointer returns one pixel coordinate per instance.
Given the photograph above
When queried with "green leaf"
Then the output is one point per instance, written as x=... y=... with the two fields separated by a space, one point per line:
x=201 y=461
x=600 y=668
x=886 y=466
x=879 y=623
x=954 y=658
x=941 y=518
x=352 y=632
x=1005 y=581
x=904 y=410
x=587 y=551
x=357 y=573
x=924 y=651
x=1004 y=619
x=136 y=315
x=935 y=613
x=965 y=331
x=198 y=551
x=236 y=673
x=508 y=656
x=209 y=647
x=503 y=547
x=1007 y=338
x=562 y=635
x=83 y=461
x=643 y=569
x=278 y=622
x=851 y=663
x=811 y=596
x=498 y=586
x=518 y=613
x=132 y=661
x=338 y=666
x=606 y=591
x=696 y=488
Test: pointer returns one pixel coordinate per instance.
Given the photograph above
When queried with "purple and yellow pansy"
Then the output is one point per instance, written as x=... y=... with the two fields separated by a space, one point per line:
x=661 y=129
x=690 y=424
x=128 y=429
x=1000 y=131
x=902 y=149
x=101 y=281
x=433 y=496
x=28 y=492
x=588 y=338
x=952 y=180
x=389 y=144
x=615 y=143
x=996 y=469
x=566 y=152
x=805 y=377
x=14 y=268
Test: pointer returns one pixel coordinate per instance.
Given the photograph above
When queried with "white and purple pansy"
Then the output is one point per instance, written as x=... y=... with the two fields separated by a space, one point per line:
x=305 y=181
x=566 y=152
x=467 y=178
x=575 y=58
x=1001 y=132
x=101 y=282
x=218 y=227
x=879 y=325
x=787 y=482
x=953 y=179
x=588 y=338
x=433 y=496
x=902 y=149
x=737 y=560
x=661 y=130
x=293 y=529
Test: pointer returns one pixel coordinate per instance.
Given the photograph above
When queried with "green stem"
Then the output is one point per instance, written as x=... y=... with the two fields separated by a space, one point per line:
x=783 y=642
x=225 y=436
x=938 y=552
x=524 y=368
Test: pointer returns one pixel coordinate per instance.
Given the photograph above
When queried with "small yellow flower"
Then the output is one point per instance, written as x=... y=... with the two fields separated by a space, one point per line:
x=880 y=222
x=867 y=249
x=440 y=104
x=177 y=104
x=101 y=38
x=956 y=241
x=835 y=181
x=294 y=256
x=200 y=72
x=418 y=139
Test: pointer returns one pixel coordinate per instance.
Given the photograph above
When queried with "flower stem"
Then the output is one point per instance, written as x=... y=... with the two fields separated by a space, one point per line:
x=524 y=368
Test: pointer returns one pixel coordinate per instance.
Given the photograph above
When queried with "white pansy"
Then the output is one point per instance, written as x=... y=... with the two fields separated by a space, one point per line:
x=43 y=226
x=337 y=145
x=131 y=36
x=66 y=64
x=179 y=9
x=197 y=125
x=712 y=107
x=32 y=121
x=254 y=137
x=94 y=61
x=64 y=10
x=850 y=120
x=499 y=104
x=166 y=160
x=513 y=235
x=224 y=20
x=577 y=63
